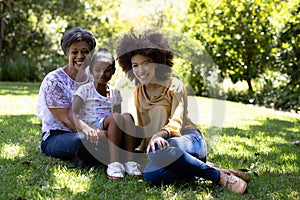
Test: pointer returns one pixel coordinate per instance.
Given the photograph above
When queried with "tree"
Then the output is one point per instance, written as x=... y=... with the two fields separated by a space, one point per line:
x=24 y=43
x=237 y=34
x=289 y=60
x=290 y=47
x=30 y=33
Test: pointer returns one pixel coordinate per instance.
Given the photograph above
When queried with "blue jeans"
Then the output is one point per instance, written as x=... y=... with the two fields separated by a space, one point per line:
x=70 y=145
x=183 y=160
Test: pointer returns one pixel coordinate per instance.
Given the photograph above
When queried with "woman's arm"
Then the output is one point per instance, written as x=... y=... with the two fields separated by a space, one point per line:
x=171 y=129
x=175 y=120
x=178 y=114
x=62 y=115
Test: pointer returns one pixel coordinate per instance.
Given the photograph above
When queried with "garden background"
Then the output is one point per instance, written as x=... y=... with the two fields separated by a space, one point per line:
x=239 y=60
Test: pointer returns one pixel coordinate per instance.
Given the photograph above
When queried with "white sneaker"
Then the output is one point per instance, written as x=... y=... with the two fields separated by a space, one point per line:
x=132 y=169
x=115 y=170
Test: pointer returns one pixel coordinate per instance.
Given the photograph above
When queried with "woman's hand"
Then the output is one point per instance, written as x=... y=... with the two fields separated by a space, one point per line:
x=157 y=139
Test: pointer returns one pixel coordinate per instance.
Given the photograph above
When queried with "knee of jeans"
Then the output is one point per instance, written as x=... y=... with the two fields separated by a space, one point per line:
x=166 y=155
x=148 y=176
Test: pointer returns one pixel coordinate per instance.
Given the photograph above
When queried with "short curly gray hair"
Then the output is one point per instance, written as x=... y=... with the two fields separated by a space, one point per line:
x=77 y=34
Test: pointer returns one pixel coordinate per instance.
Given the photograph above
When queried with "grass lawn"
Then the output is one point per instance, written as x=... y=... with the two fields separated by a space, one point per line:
x=258 y=140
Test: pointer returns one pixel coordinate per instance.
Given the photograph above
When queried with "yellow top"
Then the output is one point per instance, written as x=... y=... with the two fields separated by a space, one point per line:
x=167 y=111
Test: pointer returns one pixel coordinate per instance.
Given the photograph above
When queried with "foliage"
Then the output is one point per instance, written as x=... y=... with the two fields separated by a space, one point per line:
x=242 y=39
x=24 y=37
x=278 y=92
x=32 y=30
x=213 y=40
x=289 y=41
x=237 y=34
x=257 y=140
x=194 y=66
x=289 y=62
x=18 y=68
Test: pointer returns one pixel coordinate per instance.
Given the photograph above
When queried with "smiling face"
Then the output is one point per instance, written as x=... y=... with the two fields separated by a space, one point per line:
x=102 y=72
x=77 y=53
x=143 y=69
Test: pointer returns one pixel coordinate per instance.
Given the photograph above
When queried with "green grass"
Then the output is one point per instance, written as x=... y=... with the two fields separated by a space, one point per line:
x=255 y=139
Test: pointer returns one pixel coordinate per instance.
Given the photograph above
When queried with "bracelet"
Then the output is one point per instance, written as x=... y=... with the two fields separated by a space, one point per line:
x=168 y=132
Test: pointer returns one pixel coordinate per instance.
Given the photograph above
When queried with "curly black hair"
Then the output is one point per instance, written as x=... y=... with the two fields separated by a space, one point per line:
x=150 y=43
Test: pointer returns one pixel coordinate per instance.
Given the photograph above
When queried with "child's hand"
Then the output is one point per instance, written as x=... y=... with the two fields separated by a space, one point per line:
x=101 y=133
x=91 y=134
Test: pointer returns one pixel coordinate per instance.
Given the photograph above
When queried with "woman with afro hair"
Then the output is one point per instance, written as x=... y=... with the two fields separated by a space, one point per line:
x=176 y=147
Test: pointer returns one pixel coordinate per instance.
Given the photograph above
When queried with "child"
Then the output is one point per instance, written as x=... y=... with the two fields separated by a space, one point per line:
x=97 y=106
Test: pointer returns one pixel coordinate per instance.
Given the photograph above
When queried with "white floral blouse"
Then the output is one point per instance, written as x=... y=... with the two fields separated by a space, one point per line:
x=56 y=91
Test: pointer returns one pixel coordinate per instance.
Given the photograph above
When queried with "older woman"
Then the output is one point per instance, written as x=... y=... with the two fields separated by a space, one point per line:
x=60 y=138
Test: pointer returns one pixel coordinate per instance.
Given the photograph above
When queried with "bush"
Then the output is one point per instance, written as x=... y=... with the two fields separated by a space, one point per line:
x=272 y=90
x=18 y=68
x=22 y=68
x=282 y=98
x=278 y=92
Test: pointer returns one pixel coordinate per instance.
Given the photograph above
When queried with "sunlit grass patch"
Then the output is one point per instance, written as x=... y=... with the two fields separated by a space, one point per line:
x=74 y=181
x=17 y=104
x=18 y=88
x=11 y=151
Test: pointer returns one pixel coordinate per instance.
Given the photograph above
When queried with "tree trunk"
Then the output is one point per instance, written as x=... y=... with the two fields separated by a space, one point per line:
x=2 y=26
x=249 y=85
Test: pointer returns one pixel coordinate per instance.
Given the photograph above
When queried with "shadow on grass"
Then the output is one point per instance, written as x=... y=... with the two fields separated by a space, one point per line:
x=19 y=88
x=29 y=174
x=266 y=151
x=23 y=167
x=26 y=173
